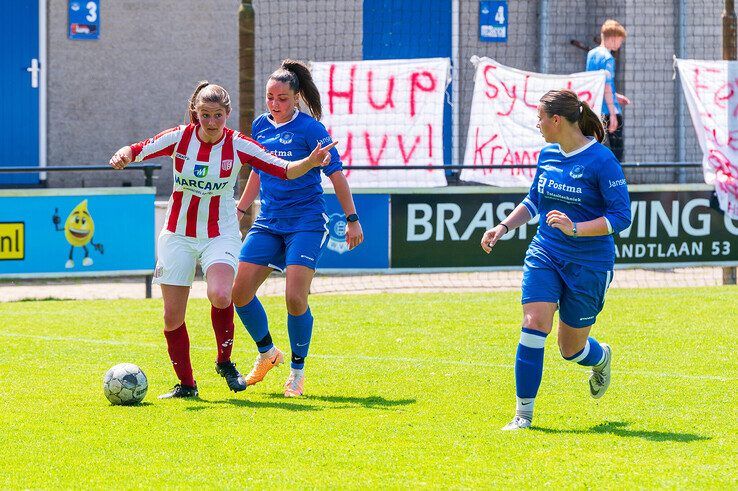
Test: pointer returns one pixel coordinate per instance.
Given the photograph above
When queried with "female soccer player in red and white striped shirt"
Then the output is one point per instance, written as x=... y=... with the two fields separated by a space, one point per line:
x=201 y=223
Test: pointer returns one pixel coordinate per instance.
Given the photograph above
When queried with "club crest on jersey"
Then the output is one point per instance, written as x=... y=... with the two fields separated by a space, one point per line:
x=201 y=170
x=576 y=172
x=286 y=138
x=226 y=165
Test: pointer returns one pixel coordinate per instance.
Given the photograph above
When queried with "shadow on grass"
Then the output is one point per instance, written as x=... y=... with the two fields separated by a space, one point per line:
x=43 y=299
x=287 y=405
x=372 y=402
x=138 y=404
x=278 y=401
x=619 y=428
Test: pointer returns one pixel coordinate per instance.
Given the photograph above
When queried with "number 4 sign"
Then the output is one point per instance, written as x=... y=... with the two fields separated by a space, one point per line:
x=84 y=19
x=493 y=21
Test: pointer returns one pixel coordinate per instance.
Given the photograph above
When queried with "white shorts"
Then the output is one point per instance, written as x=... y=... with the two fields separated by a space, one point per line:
x=178 y=255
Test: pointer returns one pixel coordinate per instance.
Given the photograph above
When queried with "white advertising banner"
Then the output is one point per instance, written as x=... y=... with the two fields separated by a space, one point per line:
x=711 y=90
x=502 y=126
x=386 y=113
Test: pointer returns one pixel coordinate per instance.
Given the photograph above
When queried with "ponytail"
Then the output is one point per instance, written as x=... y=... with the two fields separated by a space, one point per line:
x=191 y=113
x=589 y=123
x=566 y=104
x=297 y=75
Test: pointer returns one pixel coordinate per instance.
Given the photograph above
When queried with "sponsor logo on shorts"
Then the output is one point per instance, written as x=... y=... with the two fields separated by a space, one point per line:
x=229 y=253
x=586 y=318
x=159 y=271
x=307 y=257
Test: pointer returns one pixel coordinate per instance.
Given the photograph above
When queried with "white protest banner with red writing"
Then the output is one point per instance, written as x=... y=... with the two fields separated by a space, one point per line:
x=502 y=126
x=386 y=112
x=711 y=90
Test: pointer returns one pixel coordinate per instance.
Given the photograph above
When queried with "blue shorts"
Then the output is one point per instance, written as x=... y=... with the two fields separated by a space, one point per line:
x=281 y=242
x=579 y=290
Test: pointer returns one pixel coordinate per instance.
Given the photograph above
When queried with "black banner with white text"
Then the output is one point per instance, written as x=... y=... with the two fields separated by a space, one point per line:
x=444 y=230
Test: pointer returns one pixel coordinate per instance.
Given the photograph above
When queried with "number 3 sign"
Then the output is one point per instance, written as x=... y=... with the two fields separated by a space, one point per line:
x=84 y=19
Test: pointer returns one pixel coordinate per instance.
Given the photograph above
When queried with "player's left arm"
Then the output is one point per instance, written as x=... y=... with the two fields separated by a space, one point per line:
x=617 y=217
x=354 y=232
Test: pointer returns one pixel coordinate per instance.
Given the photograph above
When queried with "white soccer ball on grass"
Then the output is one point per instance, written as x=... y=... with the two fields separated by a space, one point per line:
x=125 y=384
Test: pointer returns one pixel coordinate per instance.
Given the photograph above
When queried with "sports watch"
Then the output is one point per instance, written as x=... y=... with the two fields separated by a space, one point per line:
x=573 y=229
x=352 y=218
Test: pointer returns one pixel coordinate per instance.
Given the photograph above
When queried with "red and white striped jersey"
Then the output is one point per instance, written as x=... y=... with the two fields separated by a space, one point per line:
x=205 y=174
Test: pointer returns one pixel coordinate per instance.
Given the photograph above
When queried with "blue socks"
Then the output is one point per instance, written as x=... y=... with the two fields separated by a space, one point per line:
x=300 y=329
x=592 y=354
x=528 y=370
x=254 y=318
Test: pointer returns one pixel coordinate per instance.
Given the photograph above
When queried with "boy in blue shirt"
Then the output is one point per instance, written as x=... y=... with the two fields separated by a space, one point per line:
x=582 y=197
x=600 y=58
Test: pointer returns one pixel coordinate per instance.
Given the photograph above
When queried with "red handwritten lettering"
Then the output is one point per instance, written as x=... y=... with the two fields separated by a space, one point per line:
x=388 y=98
x=479 y=149
x=372 y=159
x=333 y=93
x=525 y=94
x=406 y=156
x=490 y=83
x=416 y=83
x=511 y=92
x=430 y=141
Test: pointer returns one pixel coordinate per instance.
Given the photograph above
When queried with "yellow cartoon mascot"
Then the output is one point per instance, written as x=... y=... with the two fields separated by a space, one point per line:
x=78 y=230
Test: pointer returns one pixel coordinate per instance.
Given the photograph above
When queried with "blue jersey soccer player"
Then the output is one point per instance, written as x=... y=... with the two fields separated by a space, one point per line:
x=580 y=190
x=291 y=229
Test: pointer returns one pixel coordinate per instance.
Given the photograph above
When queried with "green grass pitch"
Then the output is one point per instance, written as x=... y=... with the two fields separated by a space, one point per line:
x=402 y=390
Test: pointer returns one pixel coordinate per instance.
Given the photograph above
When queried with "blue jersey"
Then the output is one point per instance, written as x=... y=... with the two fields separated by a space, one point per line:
x=293 y=140
x=600 y=58
x=585 y=184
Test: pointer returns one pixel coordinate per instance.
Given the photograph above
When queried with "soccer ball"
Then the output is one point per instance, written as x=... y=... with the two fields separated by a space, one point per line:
x=125 y=384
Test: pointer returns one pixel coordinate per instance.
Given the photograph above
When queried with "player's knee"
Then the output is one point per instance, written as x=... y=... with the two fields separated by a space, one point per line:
x=172 y=320
x=296 y=303
x=220 y=298
x=532 y=320
x=568 y=348
x=242 y=296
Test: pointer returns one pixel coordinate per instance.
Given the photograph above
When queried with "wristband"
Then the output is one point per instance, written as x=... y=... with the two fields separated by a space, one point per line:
x=506 y=227
x=352 y=218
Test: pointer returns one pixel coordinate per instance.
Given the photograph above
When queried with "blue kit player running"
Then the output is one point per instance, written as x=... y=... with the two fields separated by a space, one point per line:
x=580 y=190
x=291 y=229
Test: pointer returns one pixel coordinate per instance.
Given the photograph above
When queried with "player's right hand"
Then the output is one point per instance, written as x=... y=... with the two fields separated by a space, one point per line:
x=613 y=124
x=491 y=236
x=121 y=158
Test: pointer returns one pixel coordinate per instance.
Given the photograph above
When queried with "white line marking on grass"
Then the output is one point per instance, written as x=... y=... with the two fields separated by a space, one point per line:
x=379 y=359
